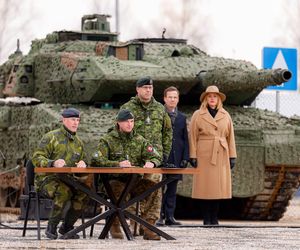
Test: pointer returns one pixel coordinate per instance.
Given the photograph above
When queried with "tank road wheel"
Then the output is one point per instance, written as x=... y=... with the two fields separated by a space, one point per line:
x=13 y=197
x=3 y=197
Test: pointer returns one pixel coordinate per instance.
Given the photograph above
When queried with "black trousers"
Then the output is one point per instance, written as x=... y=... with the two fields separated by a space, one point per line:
x=210 y=210
x=168 y=203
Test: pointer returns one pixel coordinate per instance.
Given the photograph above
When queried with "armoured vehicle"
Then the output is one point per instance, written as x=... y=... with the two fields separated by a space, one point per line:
x=94 y=72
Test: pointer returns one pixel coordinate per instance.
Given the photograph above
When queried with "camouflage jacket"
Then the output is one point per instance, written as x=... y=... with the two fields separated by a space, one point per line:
x=116 y=146
x=152 y=122
x=58 y=144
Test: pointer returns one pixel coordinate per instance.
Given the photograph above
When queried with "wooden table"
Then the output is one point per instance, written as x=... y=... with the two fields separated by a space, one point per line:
x=117 y=207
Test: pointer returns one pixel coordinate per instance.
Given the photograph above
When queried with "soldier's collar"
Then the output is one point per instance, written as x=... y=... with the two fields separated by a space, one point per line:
x=145 y=104
x=126 y=136
x=68 y=133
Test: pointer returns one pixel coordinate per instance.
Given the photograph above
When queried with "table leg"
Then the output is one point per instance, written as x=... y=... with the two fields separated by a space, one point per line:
x=122 y=205
x=87 y=224
x=93 y=195
x=119 y=212
x=141 y=197
x=117 y=207
x=149 y=226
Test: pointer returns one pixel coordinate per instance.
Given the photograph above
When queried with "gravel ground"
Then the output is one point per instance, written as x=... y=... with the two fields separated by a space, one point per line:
x=284 y=234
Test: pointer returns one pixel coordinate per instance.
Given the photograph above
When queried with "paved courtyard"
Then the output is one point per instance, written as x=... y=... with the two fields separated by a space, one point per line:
x=284 y=234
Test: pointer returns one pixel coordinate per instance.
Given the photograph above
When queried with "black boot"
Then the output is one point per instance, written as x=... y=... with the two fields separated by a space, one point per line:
x=63 y=229
x=70 y=219
x=172 y=222
x=214 y=212
x=206 y=212
x=51 y=232
x=160 y=222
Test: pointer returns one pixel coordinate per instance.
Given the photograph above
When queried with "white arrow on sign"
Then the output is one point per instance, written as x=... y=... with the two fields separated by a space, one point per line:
x=280 y=62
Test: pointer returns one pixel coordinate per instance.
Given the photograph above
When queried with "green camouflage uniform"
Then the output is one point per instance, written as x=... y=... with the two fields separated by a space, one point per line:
x=115 y=147
x=153 y=123
x=60 y=144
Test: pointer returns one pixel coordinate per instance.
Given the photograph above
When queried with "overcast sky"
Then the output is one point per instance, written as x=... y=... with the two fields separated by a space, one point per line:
x=236 y=29
x=233 y=28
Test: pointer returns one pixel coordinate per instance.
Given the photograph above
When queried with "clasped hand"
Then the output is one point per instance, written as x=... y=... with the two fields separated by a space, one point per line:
x=127 y=164
x=61 y=163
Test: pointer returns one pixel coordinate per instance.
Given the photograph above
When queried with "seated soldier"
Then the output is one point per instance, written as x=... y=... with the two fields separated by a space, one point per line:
x=122 y=147
x=60 y=148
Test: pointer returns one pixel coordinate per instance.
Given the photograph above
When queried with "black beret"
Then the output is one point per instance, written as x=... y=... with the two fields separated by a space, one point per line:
x=144 y=81
x=70 y=112
x=124 y=115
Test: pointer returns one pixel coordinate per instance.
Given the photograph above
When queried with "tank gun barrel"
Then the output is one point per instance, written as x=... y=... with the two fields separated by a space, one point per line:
x=241 y=86
x=281 y=75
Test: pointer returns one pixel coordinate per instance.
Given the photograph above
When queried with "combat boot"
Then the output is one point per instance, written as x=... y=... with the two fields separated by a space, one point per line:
x=148 y=234
x=115 y=230
x=63 y=229
x=51 y=232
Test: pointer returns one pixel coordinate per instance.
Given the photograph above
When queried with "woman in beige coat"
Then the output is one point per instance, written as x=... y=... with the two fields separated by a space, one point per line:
x=213 y=152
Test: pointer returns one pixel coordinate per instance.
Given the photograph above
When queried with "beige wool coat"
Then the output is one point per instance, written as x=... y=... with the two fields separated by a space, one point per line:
x=212 y=143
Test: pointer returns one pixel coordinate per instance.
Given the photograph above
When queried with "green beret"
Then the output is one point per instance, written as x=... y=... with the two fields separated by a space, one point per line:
x=70 y=112
x=144 y=81
x=124 y=115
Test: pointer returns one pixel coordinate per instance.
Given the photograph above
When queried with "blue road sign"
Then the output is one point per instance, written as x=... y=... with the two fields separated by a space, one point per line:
x=284 y=58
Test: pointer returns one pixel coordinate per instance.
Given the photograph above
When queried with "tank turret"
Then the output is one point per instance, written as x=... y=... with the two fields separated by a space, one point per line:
x=93 y=71
x=91 y=66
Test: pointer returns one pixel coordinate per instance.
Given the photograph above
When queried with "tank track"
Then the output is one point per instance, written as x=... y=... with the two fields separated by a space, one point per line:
x=281 y=183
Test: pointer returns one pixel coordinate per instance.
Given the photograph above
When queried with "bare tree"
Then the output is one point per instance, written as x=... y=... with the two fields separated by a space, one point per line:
x=189 y=22
x=15 y=19
x=290 y=24
x=101 y=7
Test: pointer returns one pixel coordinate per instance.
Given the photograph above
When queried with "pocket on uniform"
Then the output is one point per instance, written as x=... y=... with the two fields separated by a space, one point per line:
x=75 y=157
x=116 y=156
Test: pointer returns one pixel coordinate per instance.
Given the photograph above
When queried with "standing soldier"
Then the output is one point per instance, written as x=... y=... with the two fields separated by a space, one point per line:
x=151 y=121
x=178 y=157
x=122 y=147
x=60 y=148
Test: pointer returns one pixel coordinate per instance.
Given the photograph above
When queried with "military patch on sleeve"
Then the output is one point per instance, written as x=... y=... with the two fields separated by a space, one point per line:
x=44 y=142
x=97 y=154
x=150 y=149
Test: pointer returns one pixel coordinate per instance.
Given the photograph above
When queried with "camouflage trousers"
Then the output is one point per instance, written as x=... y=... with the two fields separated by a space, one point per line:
x=151 y=204
x=155 y=178
x=61 y=194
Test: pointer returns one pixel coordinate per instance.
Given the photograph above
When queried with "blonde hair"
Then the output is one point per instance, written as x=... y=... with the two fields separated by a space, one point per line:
x=204 y=104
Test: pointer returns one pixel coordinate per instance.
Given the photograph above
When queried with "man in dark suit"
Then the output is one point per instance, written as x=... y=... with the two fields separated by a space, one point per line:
x=178 y=157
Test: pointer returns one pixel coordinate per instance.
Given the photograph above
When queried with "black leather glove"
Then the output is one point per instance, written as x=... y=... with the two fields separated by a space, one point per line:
x=184 y=163
x=232 y=162
x=193 y=162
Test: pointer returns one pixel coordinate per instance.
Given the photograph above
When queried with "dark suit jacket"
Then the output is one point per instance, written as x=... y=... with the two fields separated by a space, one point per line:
x=180 y=143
